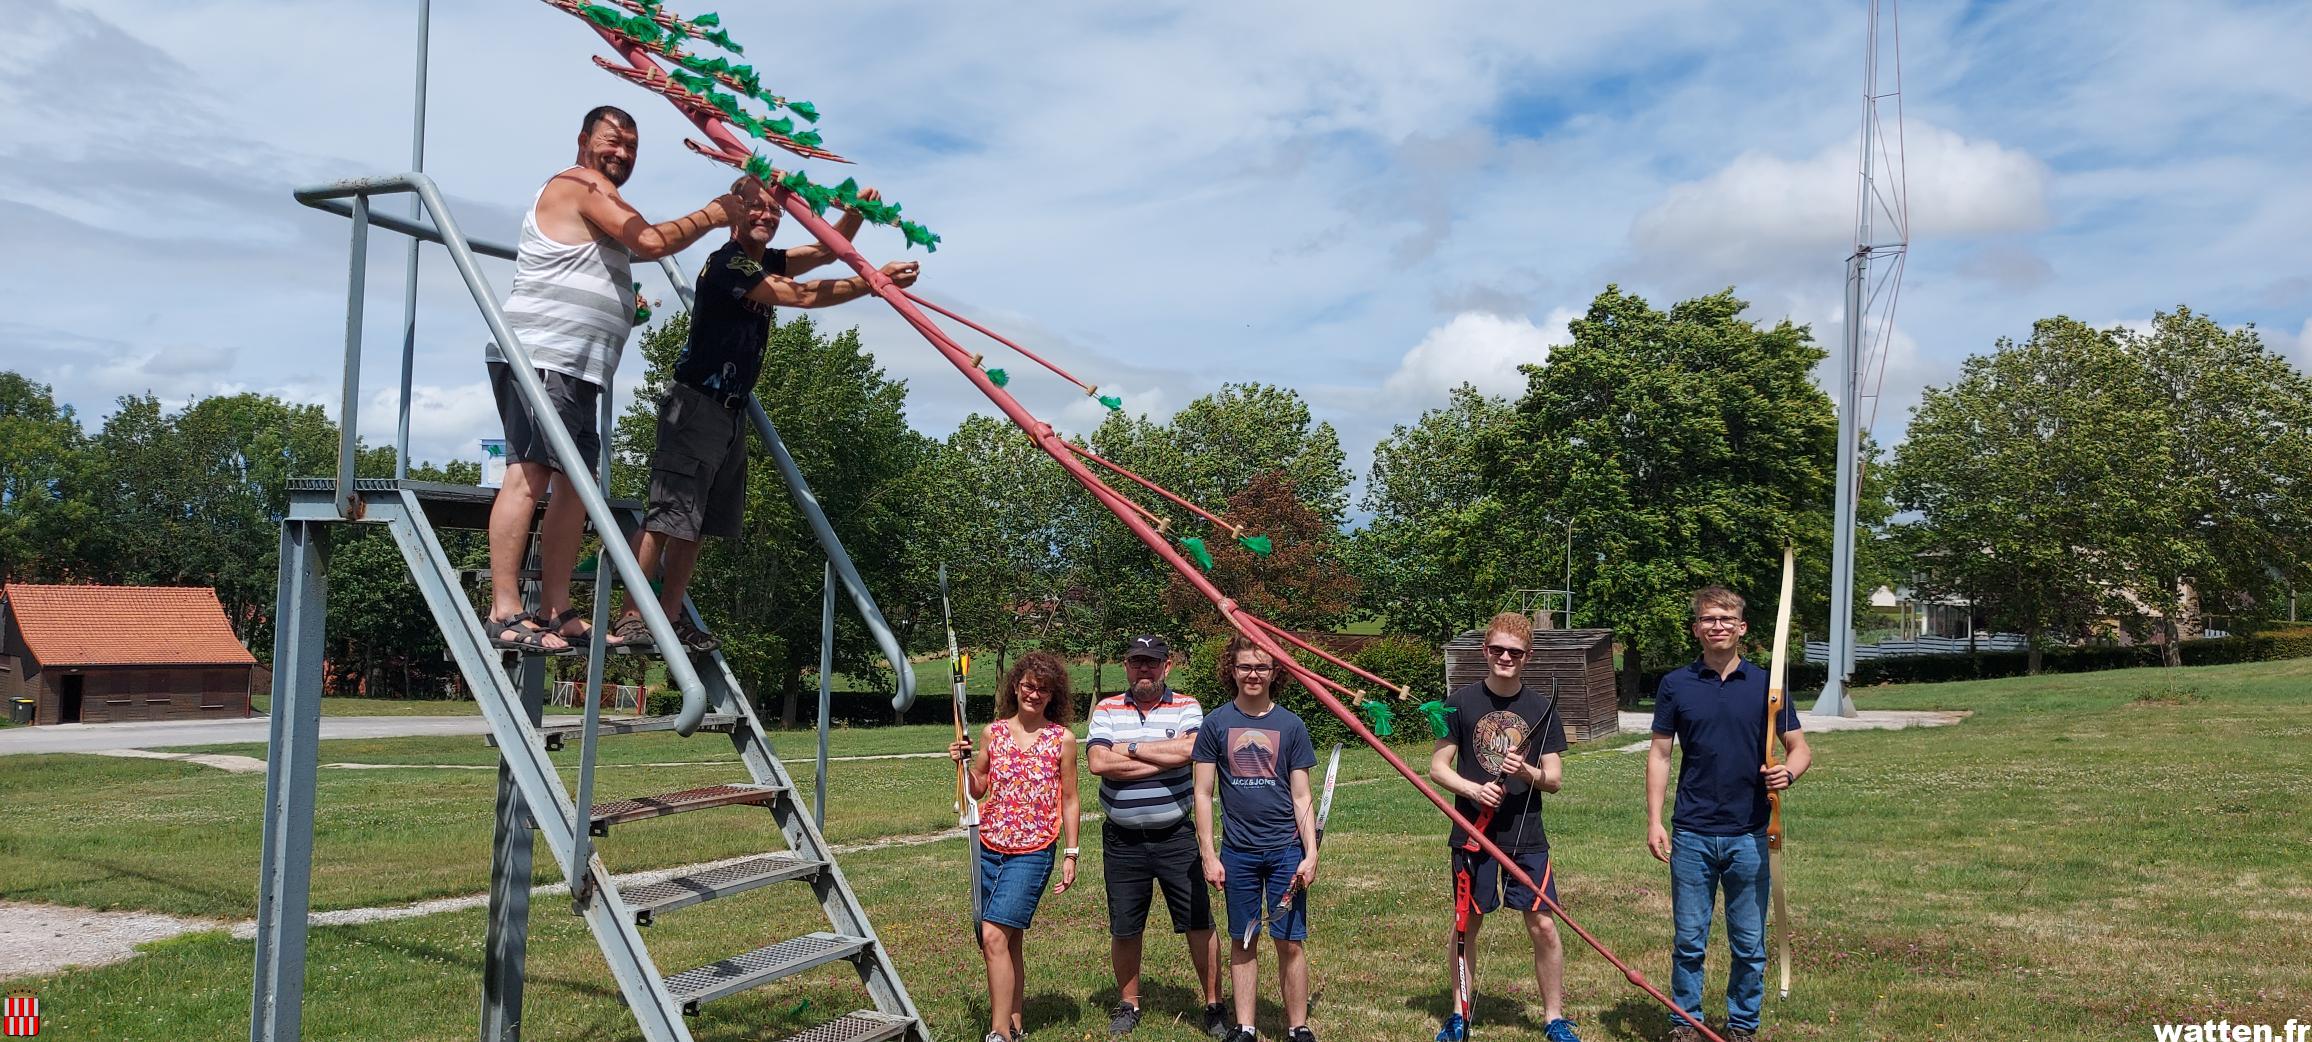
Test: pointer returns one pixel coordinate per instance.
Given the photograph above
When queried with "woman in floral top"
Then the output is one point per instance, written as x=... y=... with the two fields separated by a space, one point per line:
x=1024 y=777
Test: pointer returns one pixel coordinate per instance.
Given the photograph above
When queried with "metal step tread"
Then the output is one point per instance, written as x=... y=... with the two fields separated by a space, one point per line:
x=864 y=1025
x=682 y=891
x=719 y=722
x=561 y=728
x=761 y=966
x=641 y=807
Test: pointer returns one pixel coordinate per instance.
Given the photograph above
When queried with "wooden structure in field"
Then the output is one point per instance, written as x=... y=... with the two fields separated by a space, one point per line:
x=1581 y=661
x=104 y=654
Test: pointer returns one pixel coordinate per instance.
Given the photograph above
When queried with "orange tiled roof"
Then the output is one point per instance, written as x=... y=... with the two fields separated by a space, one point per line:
x=124 y=626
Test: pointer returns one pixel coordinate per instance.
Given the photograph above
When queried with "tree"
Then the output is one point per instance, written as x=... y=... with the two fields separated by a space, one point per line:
x=1221 y=442
x=1300 y=584
x=2028 y=474
x=196 y=496
x=1438 y=557
x=1686 y=447
x=997 y=510
x=2232 y=507
x=845 y=425
x=45 y=511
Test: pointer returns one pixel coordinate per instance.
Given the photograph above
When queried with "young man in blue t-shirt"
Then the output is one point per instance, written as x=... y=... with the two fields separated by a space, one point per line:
x=1258 y=755
x=1715 y=709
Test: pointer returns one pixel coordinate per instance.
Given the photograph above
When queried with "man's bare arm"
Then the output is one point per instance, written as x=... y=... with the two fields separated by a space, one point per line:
x=595 y=199
x=1108 y=763
x=803 y=258
x=1167 y=753
x=822 y=293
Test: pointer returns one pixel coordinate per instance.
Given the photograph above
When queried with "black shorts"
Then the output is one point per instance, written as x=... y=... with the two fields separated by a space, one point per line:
x=577 y=403
x=1132 y=859
x=698 y=473
x=1490 y=887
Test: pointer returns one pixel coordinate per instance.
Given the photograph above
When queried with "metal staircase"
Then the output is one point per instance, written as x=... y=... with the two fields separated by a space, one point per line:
x=532 y=800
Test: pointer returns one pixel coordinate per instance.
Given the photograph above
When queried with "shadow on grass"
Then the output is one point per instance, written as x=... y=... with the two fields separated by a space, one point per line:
x=468 y=960
x=243 y=900
x=1489 y=1011
x=1043 y=1010
x=1639 y=1018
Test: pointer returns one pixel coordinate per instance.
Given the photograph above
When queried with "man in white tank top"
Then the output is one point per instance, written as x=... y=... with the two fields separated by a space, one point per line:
x=571 y=308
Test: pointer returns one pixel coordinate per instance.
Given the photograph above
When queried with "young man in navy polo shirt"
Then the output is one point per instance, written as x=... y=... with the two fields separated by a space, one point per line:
x=1715 y=709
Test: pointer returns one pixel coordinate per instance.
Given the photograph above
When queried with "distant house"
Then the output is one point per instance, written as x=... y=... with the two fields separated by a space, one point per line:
x=102 y=654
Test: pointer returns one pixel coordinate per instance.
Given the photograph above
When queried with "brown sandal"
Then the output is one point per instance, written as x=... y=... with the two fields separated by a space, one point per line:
x=631 y=632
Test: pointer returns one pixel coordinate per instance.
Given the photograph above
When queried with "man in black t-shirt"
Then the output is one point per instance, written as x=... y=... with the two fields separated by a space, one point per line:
x=1486 y=760
x=698 y=472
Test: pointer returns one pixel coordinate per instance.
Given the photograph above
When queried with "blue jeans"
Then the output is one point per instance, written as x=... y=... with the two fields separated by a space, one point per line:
x=1700 y=867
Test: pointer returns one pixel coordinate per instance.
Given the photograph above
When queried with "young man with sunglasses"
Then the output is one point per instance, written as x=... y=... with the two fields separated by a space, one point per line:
x=1715 y=709
x=1482 y=761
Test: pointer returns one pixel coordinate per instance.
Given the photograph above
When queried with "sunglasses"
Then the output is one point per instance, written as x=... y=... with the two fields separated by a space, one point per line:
x=1512 y=654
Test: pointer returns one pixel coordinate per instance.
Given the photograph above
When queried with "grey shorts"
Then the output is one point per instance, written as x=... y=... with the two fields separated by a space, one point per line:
x=698 y=475
x=576 y=402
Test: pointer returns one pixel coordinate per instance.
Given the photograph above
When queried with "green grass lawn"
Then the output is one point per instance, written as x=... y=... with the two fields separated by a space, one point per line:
x=2086 y=855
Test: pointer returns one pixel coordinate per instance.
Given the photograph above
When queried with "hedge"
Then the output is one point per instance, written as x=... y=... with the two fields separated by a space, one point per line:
x=2286 y=643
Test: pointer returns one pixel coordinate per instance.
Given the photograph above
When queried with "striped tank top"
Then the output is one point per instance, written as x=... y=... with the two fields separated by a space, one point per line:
x=572 y=306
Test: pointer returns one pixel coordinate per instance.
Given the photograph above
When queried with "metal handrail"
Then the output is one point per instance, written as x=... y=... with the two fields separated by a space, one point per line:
x=807 y=504
x=575 y=468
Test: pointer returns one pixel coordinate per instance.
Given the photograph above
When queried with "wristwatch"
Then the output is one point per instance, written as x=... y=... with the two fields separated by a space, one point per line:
x=1132 y=749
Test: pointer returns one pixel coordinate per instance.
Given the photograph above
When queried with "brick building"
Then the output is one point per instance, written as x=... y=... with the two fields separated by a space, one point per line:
x=99 y=654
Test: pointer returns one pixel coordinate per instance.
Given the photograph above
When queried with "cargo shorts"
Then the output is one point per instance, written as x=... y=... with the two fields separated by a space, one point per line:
x=698 y=475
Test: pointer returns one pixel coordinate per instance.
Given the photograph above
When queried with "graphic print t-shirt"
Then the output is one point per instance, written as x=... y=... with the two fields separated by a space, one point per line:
x=1484 y=729
x=1255 y=757
x=727 y=331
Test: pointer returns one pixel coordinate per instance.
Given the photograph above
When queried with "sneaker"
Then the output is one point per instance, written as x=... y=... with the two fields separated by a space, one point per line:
x=1240 y=1033
x=1684 y=1032
x=1741 y=1034
x=1455 y=1029
x=995 y=1036
x=1560 y=1030
x=1300 y=1034
x=1216 y=1020
x=1123 y=1018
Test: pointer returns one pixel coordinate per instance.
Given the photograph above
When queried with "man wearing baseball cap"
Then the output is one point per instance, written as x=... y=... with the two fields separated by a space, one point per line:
x=1139 y=743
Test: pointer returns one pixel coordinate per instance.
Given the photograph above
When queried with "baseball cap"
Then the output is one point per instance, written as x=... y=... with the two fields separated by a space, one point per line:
x=1149 y=646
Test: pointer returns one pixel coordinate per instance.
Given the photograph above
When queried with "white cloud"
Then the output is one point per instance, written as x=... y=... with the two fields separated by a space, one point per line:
x=1762 y=207
x=1475 y=347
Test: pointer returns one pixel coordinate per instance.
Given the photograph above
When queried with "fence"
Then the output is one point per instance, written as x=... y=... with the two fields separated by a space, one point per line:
x=615 y=697
x=1819 y=651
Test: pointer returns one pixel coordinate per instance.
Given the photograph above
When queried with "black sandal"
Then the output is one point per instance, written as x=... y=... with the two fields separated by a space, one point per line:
x=530 y=639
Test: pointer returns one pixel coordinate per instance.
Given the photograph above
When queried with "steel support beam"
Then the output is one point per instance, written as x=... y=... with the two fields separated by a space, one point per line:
x=285 y=877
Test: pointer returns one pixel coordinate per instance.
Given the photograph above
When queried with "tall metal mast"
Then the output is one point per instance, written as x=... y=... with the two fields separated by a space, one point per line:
x=1881 y=195
x=409 y=270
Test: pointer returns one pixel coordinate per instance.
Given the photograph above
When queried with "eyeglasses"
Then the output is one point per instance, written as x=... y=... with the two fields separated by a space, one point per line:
x=1718 y=622
x=1260 y=670
x=1512 y=654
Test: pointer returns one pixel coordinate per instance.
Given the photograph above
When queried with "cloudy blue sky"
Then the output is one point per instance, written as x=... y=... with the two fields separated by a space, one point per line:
x=1367 y=202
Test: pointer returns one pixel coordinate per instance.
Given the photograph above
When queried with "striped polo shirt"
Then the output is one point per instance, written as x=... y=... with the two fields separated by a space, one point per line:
x=1159 y=800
